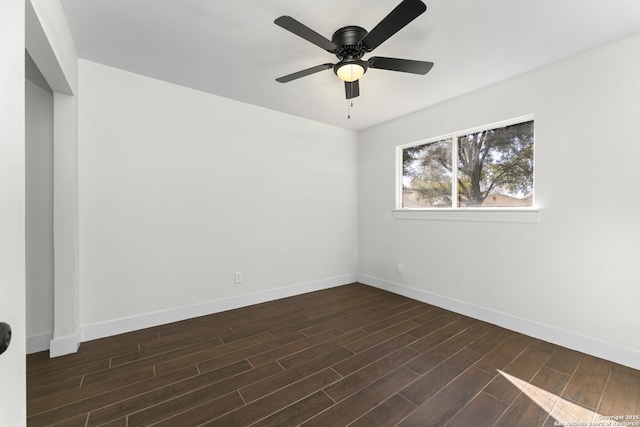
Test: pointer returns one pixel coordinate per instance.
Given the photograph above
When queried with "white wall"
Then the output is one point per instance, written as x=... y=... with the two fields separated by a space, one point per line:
x=39 y=208
x=12 y=212
x=179 y=189
x=573 y=278
x=49 y=42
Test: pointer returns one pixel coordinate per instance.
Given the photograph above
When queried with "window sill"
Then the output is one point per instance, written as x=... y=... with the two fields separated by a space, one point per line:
x=504 y=215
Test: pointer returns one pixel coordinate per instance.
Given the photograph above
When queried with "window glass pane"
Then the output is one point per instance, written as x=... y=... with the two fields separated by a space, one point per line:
x=495 y=167
x=427 y=175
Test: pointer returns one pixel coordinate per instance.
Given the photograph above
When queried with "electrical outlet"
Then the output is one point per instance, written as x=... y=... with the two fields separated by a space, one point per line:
x=237 y=277
x=399 y=268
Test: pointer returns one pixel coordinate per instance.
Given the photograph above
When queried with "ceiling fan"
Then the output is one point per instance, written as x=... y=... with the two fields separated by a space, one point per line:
x=351 y=43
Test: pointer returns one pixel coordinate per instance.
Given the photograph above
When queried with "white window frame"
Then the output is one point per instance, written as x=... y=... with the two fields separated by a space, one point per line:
x=524 y=215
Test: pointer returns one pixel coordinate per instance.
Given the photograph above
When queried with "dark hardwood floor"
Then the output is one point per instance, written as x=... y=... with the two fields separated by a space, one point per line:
x=352 y=355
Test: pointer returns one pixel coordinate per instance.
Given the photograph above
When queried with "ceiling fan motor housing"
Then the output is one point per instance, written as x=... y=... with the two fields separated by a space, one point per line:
x=348 y=41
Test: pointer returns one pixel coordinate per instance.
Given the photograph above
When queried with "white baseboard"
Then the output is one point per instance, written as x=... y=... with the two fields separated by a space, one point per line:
x=38 y=343
x=147 y=320
x=595 y=347
x=65 y=345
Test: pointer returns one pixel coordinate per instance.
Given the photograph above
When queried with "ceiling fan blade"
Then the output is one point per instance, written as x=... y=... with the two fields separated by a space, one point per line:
x=352 y=89
x=399 y=17
x=312 y=70
x=301 y=30
x=396 y=64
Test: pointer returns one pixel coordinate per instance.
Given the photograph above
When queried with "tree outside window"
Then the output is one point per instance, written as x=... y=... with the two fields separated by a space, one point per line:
x=494 y=168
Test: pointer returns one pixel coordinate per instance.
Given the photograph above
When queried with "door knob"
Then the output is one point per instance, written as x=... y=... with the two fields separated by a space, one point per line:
x=5 y=336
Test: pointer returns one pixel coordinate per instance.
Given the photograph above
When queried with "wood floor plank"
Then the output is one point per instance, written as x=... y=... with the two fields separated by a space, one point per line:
x=67 y=405
x=338 y=299
x=394 y=320
x=293 y=347
x=290 y=327
x=107 y=383
x=479 y=328
x=103 y=349
x=434 y=380
x=436 y=355
x=205 y=327
x=482 y=410
x=543 y=346
x=397 y=301
x=431 y=340
x=504 y=353
x=272 y=403
x=120 y=422
x=448 y=401
x=131 y=362
x=374 y=318
x=195 y=335
x=565 y=360
x=282 y=379
x=53 y=388
x=367 y=375
x=320 y=349
x=621 y=396
x=381 y=336
x=344 y=323
x=516 y=375
x=78 y=421
x=430 y=315
x=428 y=328
x=261 y=328
x=373 y=354
x=175 y=413
x=172 y=348
x=74 y=402
x=274 y=316
x=360 y=403
x=346 y=355
x=243 y=353
x=64 y=374
x=569 y=413
x=490 y=341
x=190 y=392
x=383 y=302
x=588 y=382
x=169 y=362
x=536 y=401
x=389 y=413
x=298 y=412
x=110 y=379
x=204 y=412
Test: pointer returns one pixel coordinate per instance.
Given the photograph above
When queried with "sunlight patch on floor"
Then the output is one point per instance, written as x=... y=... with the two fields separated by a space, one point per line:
x=565 y=412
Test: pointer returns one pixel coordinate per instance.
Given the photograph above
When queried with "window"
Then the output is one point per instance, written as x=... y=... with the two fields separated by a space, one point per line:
x=488 y=167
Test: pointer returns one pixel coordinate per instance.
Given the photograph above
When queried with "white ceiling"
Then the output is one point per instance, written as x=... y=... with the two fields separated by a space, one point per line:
x=233 y=49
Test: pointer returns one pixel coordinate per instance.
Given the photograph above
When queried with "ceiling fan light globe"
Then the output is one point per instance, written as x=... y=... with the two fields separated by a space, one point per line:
x=350 y=72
